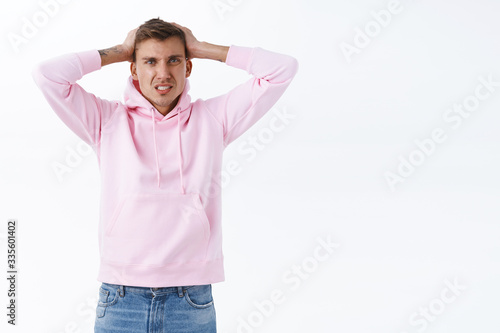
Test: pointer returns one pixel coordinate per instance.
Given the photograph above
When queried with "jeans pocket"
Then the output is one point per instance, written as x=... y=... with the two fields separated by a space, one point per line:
x=108 y=295
x=199 y=296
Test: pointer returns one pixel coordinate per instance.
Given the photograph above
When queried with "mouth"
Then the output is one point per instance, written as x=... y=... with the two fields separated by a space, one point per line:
x=163 y=88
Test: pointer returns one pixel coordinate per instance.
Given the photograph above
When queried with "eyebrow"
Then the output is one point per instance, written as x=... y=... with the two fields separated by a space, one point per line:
x=170 y=57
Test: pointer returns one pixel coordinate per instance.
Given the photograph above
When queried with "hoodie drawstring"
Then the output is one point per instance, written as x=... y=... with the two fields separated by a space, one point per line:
x=180 y=150
x=156 y=150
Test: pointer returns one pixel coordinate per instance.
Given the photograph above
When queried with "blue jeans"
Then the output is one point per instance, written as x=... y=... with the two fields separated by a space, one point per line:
x=128 y=309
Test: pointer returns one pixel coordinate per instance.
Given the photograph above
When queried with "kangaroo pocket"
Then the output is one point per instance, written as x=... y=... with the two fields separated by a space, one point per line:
x=157 y=229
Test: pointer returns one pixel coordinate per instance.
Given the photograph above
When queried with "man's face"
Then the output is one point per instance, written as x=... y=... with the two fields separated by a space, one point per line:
x=161 y=69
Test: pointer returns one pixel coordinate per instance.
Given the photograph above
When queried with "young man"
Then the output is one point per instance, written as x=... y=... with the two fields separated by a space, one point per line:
x=160 y=158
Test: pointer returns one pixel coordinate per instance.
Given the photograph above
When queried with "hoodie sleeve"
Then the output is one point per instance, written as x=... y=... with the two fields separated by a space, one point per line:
x=245 y=104
x=81 y=111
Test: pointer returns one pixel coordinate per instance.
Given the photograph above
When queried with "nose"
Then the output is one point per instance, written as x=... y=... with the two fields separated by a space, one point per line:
x=163 y=72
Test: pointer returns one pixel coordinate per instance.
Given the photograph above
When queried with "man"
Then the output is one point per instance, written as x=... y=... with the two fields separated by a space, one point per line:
x=160 y=158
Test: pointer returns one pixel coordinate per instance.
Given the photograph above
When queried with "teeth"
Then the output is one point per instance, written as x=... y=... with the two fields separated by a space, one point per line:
x=163 y=87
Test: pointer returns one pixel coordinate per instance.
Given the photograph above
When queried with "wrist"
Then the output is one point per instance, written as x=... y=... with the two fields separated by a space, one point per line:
x=123 y=52
x=197 y=50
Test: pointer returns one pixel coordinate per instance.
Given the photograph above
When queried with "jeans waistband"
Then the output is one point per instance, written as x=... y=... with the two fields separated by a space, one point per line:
x=150 y=290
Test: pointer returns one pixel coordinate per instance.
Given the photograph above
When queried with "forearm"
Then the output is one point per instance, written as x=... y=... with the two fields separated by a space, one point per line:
x=206 y=50
x=114 y=54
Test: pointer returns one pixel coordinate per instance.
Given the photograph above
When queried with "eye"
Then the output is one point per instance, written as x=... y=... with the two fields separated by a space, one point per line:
x=150 y=61
x=174 y=60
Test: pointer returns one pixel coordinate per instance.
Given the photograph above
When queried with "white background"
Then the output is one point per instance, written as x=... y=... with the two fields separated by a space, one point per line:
x=323 y=176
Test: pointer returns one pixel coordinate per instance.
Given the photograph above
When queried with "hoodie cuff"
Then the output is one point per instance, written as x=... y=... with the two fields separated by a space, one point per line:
x=91 y=61
x=239 y=57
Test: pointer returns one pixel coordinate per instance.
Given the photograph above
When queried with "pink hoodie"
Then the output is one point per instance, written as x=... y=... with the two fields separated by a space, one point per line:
x=160 y=210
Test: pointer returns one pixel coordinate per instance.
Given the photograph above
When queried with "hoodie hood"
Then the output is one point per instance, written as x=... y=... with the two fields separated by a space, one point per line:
x=134 y=100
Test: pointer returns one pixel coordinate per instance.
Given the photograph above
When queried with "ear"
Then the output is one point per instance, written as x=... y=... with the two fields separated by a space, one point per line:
x=133 y=71
x=189 y=66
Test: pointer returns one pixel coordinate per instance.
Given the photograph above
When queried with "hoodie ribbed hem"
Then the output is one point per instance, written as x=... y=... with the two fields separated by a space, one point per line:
x=173 y=275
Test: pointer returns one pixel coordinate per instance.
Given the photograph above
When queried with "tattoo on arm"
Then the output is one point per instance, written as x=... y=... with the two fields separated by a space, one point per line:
x=105 y=52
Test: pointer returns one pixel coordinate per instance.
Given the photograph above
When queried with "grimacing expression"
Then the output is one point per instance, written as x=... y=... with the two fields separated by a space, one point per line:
x=161 y=68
